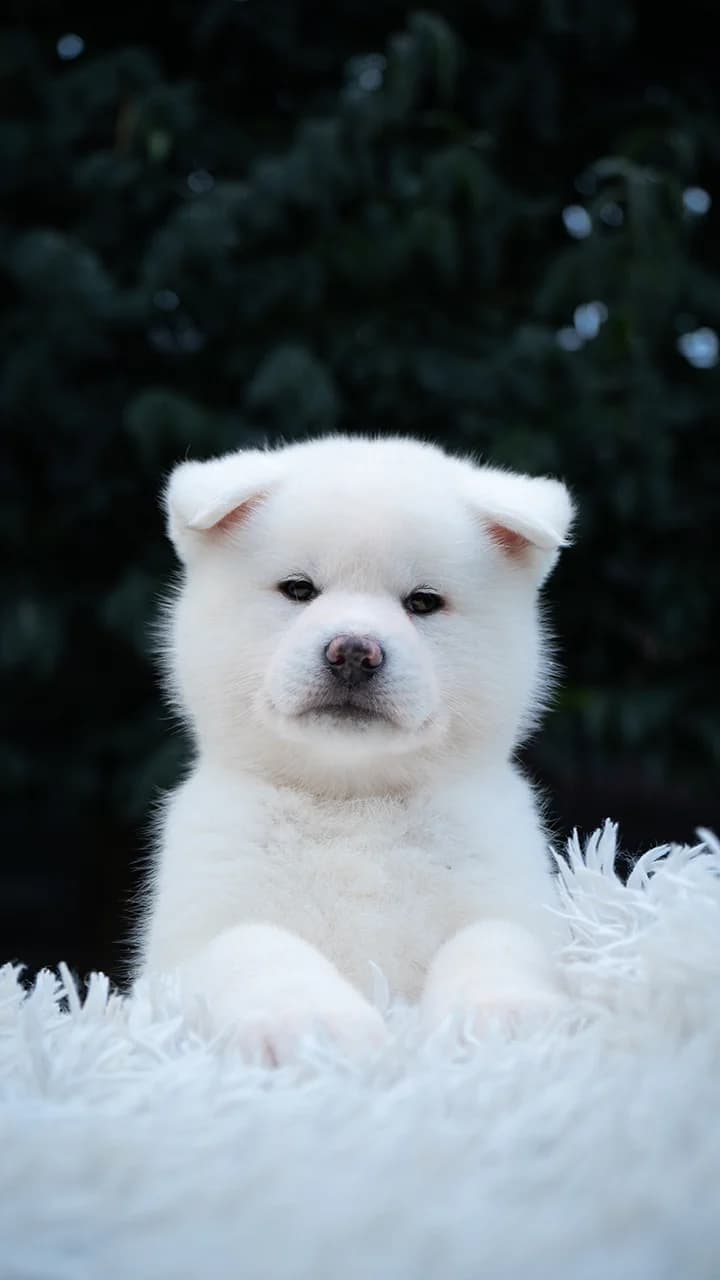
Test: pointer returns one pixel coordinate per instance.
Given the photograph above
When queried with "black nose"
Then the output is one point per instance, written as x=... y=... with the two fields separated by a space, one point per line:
x=354 y=659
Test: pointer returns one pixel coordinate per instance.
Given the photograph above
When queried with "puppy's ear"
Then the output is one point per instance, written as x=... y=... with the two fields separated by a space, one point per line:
x=204 y=500
x=529 y=518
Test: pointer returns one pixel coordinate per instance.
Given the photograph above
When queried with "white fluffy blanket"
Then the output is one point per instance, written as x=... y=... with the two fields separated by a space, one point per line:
x=132 y=1148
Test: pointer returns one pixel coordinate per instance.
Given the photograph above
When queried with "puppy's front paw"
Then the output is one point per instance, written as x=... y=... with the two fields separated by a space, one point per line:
x=275 y=1035
x=263 y=991
x=506 y=1013
x=491 y=974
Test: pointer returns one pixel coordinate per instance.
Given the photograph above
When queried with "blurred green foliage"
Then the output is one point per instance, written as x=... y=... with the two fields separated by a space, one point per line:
x=232 y=221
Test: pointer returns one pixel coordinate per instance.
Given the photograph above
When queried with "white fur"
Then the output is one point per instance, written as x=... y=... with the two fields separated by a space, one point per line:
x=374 y=841
x=134 y=1144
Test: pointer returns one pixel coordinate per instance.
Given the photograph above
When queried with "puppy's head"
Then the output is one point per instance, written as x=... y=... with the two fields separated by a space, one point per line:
x=351 y=607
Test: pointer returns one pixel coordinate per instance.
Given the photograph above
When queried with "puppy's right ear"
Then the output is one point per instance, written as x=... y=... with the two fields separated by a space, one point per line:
x=206 y=500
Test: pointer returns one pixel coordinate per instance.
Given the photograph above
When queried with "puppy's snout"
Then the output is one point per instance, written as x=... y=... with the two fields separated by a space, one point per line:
x=354 y=659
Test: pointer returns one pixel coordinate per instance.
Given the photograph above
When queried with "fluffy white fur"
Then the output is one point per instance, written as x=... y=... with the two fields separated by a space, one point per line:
x=136 y=1145
x=310 y=841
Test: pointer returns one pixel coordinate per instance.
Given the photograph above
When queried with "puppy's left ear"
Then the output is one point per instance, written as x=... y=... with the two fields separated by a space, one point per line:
x=529 y=518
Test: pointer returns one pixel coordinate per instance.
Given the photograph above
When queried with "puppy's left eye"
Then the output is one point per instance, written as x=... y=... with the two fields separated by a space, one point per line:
x=423 y=602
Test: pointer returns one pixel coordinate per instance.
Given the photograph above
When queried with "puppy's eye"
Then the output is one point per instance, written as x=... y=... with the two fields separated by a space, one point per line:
x=423 y=602
x=299 y=589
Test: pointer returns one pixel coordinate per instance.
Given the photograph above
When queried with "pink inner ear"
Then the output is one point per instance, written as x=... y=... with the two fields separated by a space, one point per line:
x=513 y=543
x=238 y=515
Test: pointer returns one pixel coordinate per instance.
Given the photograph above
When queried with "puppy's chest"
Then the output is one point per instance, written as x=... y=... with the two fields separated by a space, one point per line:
x=388 y=889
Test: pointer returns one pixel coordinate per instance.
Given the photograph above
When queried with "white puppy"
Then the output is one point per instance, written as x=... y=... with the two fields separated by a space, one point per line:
x=356 y=646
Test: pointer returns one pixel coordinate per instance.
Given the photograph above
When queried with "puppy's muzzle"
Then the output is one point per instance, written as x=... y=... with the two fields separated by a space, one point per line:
x=354 y=660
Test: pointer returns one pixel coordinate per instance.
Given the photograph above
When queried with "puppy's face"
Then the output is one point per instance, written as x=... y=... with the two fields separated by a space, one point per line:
x=348 y=602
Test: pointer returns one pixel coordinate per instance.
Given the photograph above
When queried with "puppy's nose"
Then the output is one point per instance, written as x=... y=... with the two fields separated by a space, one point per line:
x=354 y=659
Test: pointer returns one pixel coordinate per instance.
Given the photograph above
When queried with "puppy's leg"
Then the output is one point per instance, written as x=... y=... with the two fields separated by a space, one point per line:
x=490 y=970
x=269 y=988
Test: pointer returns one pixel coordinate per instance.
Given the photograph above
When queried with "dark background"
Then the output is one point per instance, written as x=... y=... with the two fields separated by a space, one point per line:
x=231 y=220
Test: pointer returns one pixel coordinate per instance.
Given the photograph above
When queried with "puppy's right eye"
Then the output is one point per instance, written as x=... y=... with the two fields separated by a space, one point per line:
x=301 y=590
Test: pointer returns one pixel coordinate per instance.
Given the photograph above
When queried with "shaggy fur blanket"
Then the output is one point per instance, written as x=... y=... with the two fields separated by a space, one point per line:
x=133 y=1146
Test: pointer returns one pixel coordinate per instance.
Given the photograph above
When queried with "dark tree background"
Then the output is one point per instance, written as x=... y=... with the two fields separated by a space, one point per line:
x=490 y=225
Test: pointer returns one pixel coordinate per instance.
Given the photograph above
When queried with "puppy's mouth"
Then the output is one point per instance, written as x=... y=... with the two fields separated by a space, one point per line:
x=346 y=713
